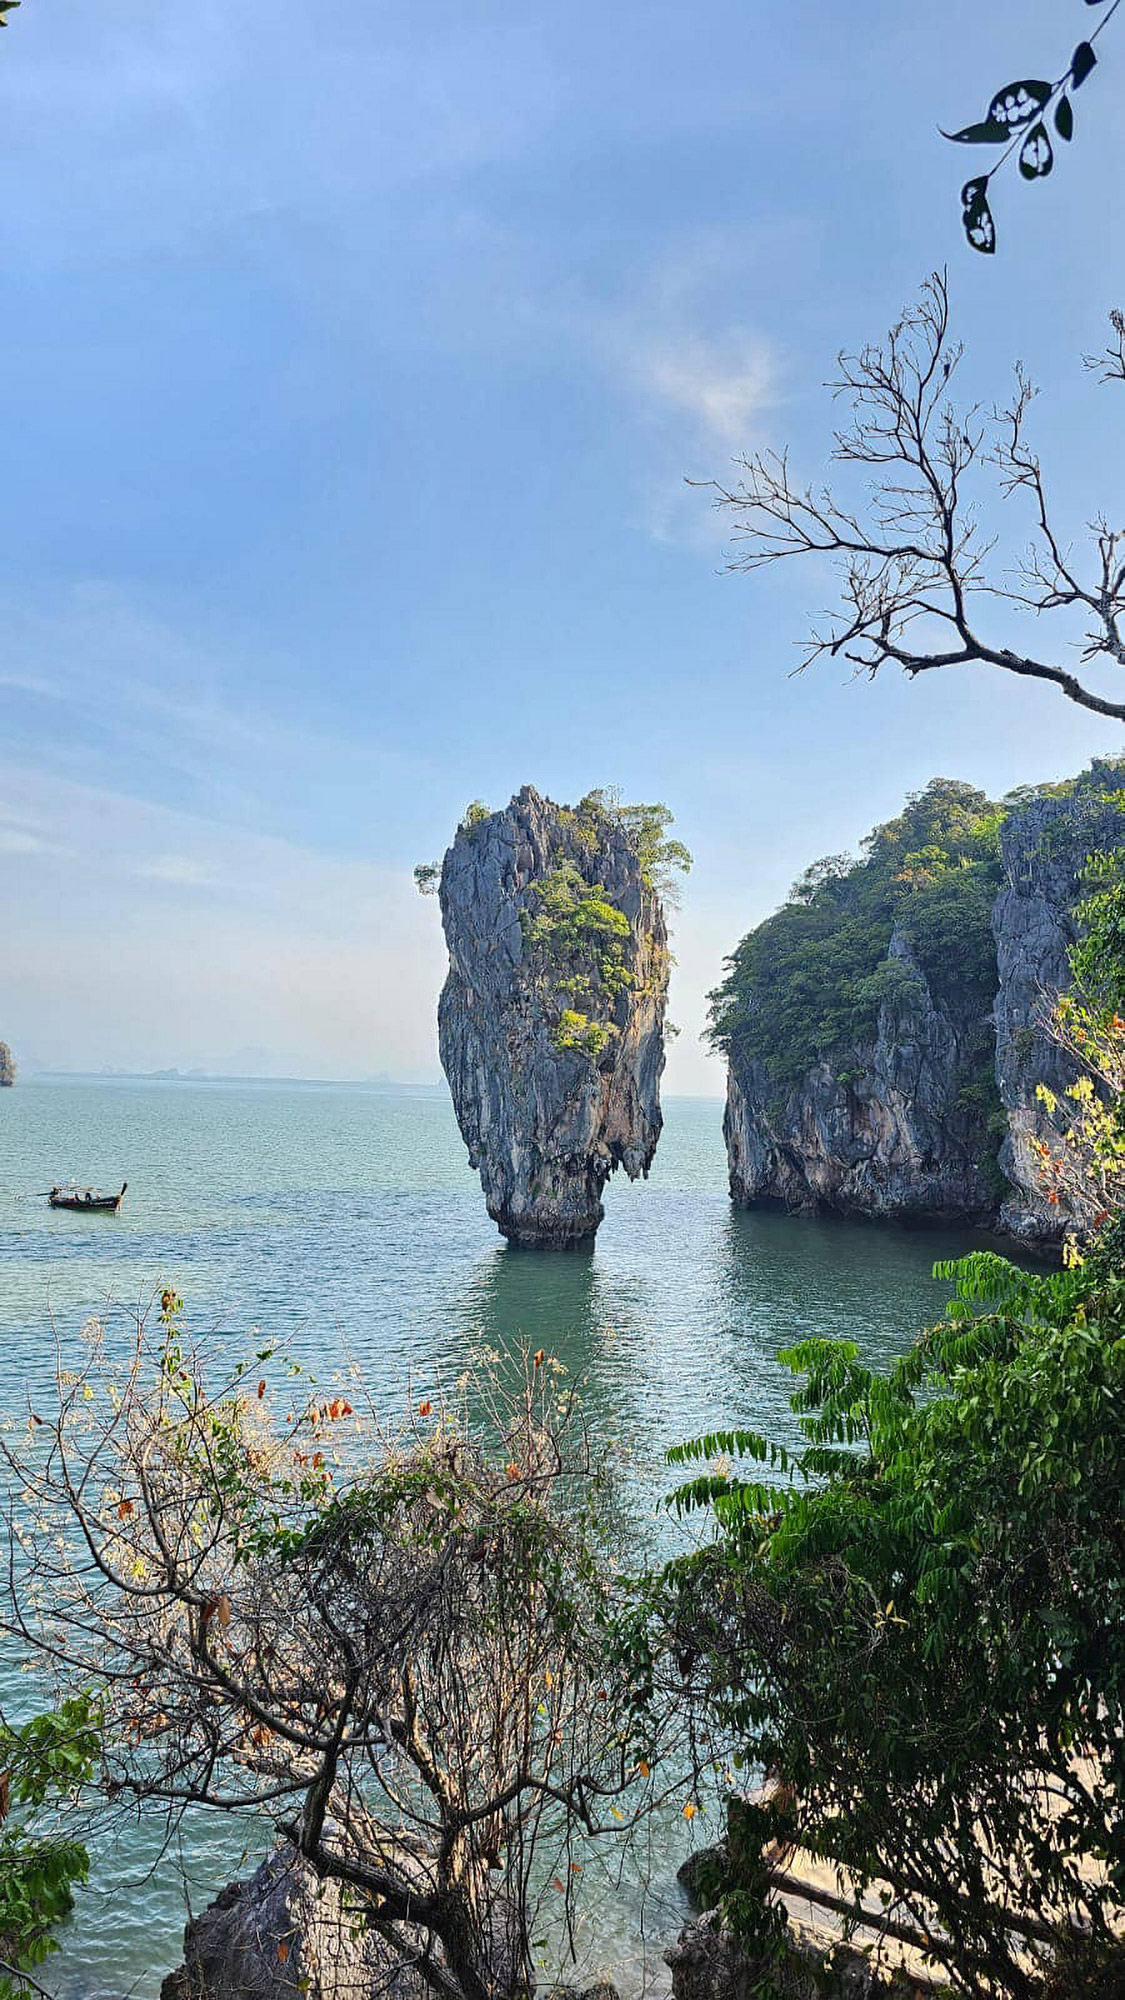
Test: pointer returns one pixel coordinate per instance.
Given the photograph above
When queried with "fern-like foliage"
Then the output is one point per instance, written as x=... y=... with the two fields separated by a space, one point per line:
x=915 y=1619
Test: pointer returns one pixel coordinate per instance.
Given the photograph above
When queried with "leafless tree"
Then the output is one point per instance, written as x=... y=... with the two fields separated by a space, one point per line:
x=388 y=1647
x=913 y=559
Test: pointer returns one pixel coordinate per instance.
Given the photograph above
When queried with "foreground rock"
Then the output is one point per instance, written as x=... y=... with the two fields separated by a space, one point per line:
x=551 y=1020
x=707 y=1964
x=285 y=1935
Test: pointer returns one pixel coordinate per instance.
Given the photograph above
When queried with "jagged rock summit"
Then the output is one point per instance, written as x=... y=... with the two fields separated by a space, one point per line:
x=551 y=1021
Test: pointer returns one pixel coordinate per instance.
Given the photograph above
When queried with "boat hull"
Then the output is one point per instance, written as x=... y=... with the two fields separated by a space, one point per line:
x=86 y=1201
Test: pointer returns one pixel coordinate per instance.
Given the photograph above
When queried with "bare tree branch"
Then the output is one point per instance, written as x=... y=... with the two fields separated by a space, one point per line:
x=912 y=558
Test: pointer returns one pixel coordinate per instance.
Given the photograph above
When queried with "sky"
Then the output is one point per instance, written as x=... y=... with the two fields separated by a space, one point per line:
x=356 y=358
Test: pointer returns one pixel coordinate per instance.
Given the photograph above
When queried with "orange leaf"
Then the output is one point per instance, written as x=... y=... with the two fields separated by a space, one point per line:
x=576 y=1868
x=261 y=1390
x=556 y=1884
x=643 y=1768
x=513 y=1470
x=283 y=1952
x=689 y=1810
x=539 y=1357
x=124 y=1509
x=424 y=1409
x=223 y=1608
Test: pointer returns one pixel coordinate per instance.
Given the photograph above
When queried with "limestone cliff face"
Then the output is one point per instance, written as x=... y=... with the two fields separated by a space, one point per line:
x=891 y=1129
x=548 y=1107
x=901 y=1126
x=1044 y=845
x=7 y=1066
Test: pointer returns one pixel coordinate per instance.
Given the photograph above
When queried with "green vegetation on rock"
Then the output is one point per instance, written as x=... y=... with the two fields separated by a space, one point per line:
x=578 y=938
x=807 y=984
x=579 y=942
x=7 y=1065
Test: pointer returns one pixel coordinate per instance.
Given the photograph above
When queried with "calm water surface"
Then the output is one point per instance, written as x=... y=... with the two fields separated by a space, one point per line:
x=344 y=1220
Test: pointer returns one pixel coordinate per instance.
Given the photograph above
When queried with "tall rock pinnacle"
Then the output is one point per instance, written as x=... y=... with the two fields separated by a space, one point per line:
x=551 y=1020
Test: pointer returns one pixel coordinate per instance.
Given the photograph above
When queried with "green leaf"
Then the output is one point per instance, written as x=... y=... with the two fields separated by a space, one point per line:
x=1018 y=103
x=1064 y=119
x=989 y=132
x=1036 y=156
x=1081 y=63
x=976 y=216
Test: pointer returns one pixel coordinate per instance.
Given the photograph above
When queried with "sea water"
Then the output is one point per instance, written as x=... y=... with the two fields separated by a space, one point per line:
x=343 y=1221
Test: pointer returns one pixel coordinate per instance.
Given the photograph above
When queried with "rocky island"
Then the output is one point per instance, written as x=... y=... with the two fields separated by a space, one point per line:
x=551 y=1021
x=887 y=1029
x=7 y=1066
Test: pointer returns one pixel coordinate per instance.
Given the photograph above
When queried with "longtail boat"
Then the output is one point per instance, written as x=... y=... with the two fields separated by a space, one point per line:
x=87 y=1201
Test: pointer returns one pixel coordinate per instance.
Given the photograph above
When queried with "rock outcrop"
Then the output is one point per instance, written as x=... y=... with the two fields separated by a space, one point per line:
x=936 y=1116
x=1045 y=846
x=551 y=1020
x=888 y=1130
x=7 y=1066
x=282 y=1935
x=707 y=1963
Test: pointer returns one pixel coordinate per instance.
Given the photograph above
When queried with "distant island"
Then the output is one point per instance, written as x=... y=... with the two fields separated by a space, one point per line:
x=7 y=1067
x=117 y=1074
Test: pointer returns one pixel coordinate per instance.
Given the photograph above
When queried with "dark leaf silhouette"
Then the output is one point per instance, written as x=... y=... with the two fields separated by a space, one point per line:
x=989 y=133
x=1018 y=103
x=1081 y=63
x=977 y=216
x=1036 y=156
x=1064 y=119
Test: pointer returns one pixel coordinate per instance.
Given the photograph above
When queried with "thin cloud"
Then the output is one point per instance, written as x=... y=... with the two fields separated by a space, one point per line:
x=178 y=871
x=14 y=841
x=723 y=384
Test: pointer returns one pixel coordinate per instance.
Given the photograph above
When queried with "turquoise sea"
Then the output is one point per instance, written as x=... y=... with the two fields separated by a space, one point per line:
x=343 y=1219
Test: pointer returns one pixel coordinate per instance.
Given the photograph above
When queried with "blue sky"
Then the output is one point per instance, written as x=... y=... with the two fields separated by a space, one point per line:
x=354 y=359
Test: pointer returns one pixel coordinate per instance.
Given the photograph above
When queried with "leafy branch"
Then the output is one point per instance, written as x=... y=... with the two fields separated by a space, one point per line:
x=1017 y=120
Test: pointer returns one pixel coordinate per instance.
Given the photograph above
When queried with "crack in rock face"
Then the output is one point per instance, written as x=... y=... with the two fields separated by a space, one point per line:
x=551 y=1019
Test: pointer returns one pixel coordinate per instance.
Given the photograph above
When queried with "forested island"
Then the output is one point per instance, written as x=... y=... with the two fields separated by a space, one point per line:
x=889 y=1032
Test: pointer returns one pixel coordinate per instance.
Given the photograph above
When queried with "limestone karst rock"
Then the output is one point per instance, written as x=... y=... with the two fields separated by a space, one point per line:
x=898 y=1124
x=1044 y=846
x=7 y=1066
x=892 y=1138
x=551 y=1020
